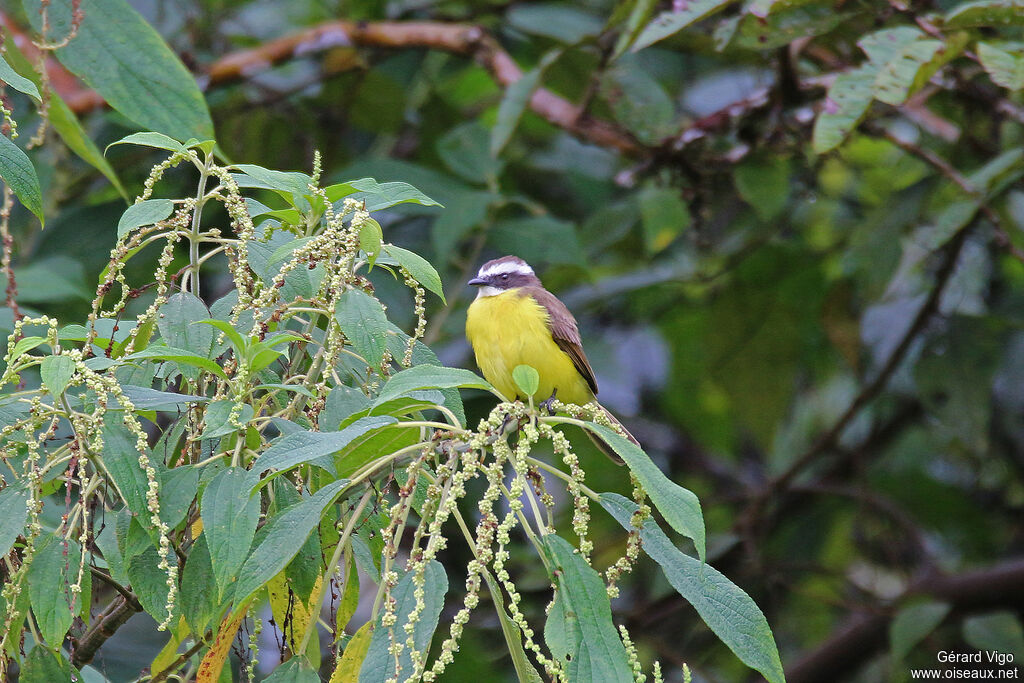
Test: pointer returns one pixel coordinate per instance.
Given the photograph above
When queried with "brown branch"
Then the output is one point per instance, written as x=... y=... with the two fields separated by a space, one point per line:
x=829 y=439
x=462 y=39
x=852 y=645
x=117 y=613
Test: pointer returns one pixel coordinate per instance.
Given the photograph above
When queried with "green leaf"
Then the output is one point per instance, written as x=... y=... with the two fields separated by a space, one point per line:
x=379 y=196
x=379 y=664
x=295 y=670
x=178 y=487
x=144 y=398
x=63 y=119
x=180 y=356
x=20 y=175
x=199 y=599
x=121 y=460
x=119 y=55
x=634 y=25
x=429 y=377
x=146 y=212
x=218 y=419
x=371 y=239
x=638 y=101
x=230 y=515
x=364 y=323
x=591 y=649
x=525 y=669
x=149 y=582
x=996 y=13
x=912 y=624
x=847 y=102
x=764 y=184
x=13 y=514
x=56 y=372
x=562 y=22
x=1004 y=62
x=292 y=182
x=527 y=379
x=12 y=78
x=419 y=268
x=664 y=215
x=178 y=324
x=150 y=139
x=996 y=632
x=669 y=23
x=54 y=568
x=44 y=666
x=679 y=505
x=515 y=101
x=281 y=539
x=465 y=149
x=906 y=61
x=236 y=339
x=311 y=447
x=728 y=611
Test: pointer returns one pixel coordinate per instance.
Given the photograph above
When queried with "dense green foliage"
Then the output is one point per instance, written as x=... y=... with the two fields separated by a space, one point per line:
x=789 y=231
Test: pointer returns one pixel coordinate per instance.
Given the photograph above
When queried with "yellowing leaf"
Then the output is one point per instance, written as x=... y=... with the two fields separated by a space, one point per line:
x=213 y=661
x=352 y=659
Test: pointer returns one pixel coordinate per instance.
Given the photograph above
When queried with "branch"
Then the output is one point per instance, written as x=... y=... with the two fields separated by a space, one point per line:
x=864 y=634
x=462 y=39
x=828 y=440
x=112 y=618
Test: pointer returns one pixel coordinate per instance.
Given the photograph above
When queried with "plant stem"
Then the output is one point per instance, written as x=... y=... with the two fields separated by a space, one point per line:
x=193 y=238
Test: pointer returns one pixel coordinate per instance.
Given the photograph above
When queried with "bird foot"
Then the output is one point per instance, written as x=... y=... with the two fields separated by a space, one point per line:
x=547 y=405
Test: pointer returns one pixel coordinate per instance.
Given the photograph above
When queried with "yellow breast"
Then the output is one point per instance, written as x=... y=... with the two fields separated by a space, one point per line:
x=511 y=329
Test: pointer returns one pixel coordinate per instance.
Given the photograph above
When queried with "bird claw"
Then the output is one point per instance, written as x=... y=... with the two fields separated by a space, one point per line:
x=547 y=405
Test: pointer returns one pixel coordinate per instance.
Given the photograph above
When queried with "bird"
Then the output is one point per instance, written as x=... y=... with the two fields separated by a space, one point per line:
x=515 y=321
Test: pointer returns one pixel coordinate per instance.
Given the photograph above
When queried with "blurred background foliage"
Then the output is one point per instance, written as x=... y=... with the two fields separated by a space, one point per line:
x=789 y=230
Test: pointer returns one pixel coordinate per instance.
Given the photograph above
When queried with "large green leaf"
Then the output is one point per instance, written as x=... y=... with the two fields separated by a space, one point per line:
x=379 y=196
x=996 y=13
x=1004 y=62
x=230 y=515
x=126 y=61
x=54 y=568
x=419 y=268
x=45 y=666
x=515 y=101
x=13 y=513
x=430 y=377
x=847 y=102
x=669 y=23
x=912 y=624
x=55 y=373
x=724 y=607
x=147 y=212
x=312 y=447
x=17 y=171
x=379 y=664
x=63 y=119
x=281 y=539
x=121 y=460
x=149 y=582
x=364 y=323
x=586 y=640
x=12 y=78
x=199 y=599
x=679 y=505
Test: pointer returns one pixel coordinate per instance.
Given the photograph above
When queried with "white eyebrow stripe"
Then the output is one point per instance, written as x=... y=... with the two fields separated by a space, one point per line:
x=509 y=267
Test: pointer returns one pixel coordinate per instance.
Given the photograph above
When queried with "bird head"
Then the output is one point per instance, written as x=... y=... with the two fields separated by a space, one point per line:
x=502 y=274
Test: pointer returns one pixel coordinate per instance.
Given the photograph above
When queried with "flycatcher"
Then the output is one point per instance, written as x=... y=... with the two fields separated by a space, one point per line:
x=515 y=321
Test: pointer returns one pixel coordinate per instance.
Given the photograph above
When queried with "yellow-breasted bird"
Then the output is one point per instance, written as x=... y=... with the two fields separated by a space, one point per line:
x=515 y=321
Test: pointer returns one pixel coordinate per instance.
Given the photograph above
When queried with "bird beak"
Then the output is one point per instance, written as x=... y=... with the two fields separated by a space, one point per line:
x=477 y=282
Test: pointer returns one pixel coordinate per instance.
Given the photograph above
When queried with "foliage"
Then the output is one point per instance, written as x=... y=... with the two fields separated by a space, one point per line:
x=790 y=231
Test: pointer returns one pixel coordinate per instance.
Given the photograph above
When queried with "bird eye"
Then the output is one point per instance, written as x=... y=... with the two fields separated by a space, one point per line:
x=504 y=276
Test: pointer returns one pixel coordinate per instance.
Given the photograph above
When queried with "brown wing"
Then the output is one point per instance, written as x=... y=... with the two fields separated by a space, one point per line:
x=565 y=332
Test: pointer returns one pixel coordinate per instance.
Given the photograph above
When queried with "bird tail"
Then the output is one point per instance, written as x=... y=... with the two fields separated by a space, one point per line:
x=604 y=447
